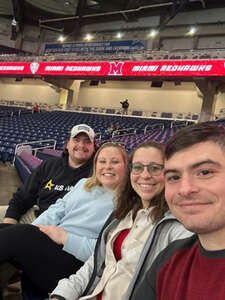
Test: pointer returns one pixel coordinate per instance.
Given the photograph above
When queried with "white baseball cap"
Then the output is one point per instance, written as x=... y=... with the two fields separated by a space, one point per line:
x=83 y=128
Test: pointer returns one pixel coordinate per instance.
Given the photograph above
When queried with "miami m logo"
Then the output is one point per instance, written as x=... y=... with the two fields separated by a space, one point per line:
x=115 y=68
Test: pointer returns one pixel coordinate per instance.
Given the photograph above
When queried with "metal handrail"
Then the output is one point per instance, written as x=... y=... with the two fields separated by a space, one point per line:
x=114 y=134
x=35 y=149
x=153 y=126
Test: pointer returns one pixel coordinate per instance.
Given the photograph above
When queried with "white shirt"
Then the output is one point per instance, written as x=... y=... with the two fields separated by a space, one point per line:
x=118 y=274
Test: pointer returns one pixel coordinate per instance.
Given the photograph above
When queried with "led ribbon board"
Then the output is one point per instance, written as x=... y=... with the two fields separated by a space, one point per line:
x=189 y=68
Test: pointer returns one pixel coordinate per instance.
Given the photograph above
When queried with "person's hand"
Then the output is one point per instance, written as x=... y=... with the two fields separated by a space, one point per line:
x=57 y=234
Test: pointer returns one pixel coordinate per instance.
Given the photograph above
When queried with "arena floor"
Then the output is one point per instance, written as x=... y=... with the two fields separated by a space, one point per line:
x=9 y=181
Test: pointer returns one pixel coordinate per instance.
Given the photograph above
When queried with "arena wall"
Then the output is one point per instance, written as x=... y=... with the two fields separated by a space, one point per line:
x=28 y=90
x=168 y=98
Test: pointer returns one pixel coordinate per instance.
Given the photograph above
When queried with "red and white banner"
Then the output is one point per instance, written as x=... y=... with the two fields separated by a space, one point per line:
x=127 y=69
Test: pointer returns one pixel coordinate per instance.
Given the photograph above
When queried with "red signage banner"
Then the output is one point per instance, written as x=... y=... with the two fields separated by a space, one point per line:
x=187 y=68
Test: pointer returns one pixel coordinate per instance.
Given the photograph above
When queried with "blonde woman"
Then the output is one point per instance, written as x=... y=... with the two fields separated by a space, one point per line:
x=64 y=236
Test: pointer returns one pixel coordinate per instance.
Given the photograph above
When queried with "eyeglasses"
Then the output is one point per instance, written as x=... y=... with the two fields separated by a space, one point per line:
x=153 y=169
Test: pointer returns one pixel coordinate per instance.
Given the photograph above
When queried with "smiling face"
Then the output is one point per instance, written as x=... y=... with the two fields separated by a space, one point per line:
x=195 y=187
x=110 y=167
x=144 y=184
x=80 y=149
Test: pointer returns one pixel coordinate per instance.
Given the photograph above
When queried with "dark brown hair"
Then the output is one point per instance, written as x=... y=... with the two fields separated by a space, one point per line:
x=128 y=199
x=194 y=134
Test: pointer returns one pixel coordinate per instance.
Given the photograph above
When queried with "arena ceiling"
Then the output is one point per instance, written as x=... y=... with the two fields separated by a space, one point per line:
x=70 y=15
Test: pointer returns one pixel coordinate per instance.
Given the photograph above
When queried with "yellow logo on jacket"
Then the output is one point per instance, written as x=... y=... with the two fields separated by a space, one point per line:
x=49 y=185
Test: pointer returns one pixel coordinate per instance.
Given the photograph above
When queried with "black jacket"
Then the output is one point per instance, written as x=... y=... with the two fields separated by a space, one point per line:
x=48 y=182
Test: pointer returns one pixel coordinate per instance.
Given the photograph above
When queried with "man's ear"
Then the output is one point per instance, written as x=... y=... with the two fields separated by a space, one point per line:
x=65 y=145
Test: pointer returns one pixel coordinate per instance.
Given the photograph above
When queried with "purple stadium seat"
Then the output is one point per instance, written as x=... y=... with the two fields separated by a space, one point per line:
x=52 y=152
x=21 y=168
x=30 y=160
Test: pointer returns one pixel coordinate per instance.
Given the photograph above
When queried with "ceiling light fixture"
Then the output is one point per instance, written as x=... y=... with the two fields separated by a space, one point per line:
x=61 y=38
x=88 y=37
x=192 y=31
x=67 y=3
x=153 y=33
x=119 y=35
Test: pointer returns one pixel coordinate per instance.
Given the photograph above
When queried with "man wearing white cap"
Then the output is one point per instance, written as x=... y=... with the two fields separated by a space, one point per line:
x=51 y=180
x=80 y=145
x=54 y=177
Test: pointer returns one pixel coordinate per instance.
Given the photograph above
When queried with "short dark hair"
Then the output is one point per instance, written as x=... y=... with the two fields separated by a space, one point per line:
x=194 y=134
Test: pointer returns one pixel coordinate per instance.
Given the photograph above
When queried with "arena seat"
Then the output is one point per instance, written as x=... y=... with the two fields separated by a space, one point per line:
x=7 y=154
x=2 y=152
x=195 y=117
x=53 y=152
x=166 y=115
x=137 y=113
x=30 y=160
x=25 y=163
x=48 y=153
x=22 y=169
x=110 y=111
x=57 y=124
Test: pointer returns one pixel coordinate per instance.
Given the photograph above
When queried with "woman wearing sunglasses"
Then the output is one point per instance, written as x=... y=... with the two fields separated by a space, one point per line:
x=140 y=228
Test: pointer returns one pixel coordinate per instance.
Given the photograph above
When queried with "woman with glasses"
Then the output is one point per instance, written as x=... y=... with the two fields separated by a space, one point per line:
x=140 y=228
